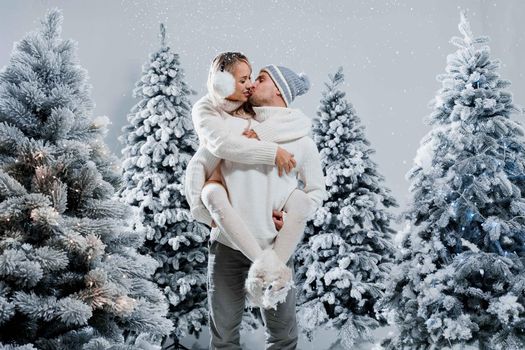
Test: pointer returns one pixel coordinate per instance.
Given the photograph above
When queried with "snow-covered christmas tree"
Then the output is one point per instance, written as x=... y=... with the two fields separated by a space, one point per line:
x=459 y=278
x=346 y=252
x=159 y=142
x=70 y=274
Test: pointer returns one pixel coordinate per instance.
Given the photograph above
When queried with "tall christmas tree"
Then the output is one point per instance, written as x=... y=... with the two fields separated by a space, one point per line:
x=159 y=142
x=459 y=277
x=70 y=274
x=346 y=253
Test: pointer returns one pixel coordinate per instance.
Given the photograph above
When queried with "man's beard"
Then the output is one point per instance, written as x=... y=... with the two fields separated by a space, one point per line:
x=254 y=101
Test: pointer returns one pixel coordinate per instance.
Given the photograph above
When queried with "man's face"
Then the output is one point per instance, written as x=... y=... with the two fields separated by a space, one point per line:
x=263 y=90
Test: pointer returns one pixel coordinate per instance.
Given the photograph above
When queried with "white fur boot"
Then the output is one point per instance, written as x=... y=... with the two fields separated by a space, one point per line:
x=277 y=291
x=268 y=281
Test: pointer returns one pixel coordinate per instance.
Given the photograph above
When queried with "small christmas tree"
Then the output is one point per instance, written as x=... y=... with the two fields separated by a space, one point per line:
x=159 y=142
x=459 y=278
x=346 y=253
x=70 y=274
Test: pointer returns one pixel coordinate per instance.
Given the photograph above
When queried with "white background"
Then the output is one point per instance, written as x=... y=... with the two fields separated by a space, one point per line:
x=391 y=52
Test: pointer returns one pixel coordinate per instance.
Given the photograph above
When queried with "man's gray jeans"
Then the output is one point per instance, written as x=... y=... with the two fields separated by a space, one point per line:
x=227 y=272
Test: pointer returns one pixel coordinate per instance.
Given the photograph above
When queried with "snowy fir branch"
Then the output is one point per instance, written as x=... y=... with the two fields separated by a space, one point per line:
x=158 y=143
x=458 y=277
x=162 y=35
x=345 y=256
x=70 y=273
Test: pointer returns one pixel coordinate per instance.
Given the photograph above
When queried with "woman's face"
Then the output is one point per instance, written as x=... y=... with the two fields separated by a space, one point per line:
x=243 y=82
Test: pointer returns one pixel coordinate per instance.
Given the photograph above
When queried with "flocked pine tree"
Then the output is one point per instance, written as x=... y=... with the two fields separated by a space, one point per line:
x=346 y=252
x=159 y=142
x=70 y=274
x=459 y=278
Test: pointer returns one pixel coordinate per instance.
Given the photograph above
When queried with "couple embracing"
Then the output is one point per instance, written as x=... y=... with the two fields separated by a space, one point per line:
x=255 y=180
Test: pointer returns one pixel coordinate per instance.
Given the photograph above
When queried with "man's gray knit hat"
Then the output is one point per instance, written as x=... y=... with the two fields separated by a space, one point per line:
x=288 y=82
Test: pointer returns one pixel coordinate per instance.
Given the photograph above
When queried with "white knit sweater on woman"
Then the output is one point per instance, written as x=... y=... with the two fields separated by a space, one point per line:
x=255 y=190
x=209 y=115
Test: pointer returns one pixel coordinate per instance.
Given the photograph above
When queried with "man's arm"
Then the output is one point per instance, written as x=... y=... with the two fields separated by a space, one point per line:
x=199 y=169
x=214 y=133
x=311 y=174
x=301 y=206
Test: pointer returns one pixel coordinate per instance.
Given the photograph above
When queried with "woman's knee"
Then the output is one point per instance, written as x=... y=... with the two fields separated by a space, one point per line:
x=213 y=196
x=299 y=205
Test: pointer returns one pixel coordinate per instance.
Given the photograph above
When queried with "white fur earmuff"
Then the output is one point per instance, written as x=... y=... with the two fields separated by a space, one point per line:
x=223 y=84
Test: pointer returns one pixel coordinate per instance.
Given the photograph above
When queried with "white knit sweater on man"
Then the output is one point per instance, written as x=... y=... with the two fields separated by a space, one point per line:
x=256 y=190
x=209 y=116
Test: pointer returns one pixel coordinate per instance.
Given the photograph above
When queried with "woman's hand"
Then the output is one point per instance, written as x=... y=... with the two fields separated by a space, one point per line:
x=251 y=134
x=277 y=217
x=284 y=160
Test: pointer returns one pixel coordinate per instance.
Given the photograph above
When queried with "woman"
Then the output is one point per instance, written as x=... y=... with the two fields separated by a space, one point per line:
x=229 y=84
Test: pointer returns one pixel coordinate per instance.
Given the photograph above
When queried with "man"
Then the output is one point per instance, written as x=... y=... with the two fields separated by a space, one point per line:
x=254 y=191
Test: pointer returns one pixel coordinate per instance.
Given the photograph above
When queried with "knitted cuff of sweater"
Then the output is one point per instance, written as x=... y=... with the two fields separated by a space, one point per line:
x=201 y=214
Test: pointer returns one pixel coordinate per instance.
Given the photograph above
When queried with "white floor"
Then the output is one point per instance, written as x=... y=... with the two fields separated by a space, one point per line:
x=323 y=340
